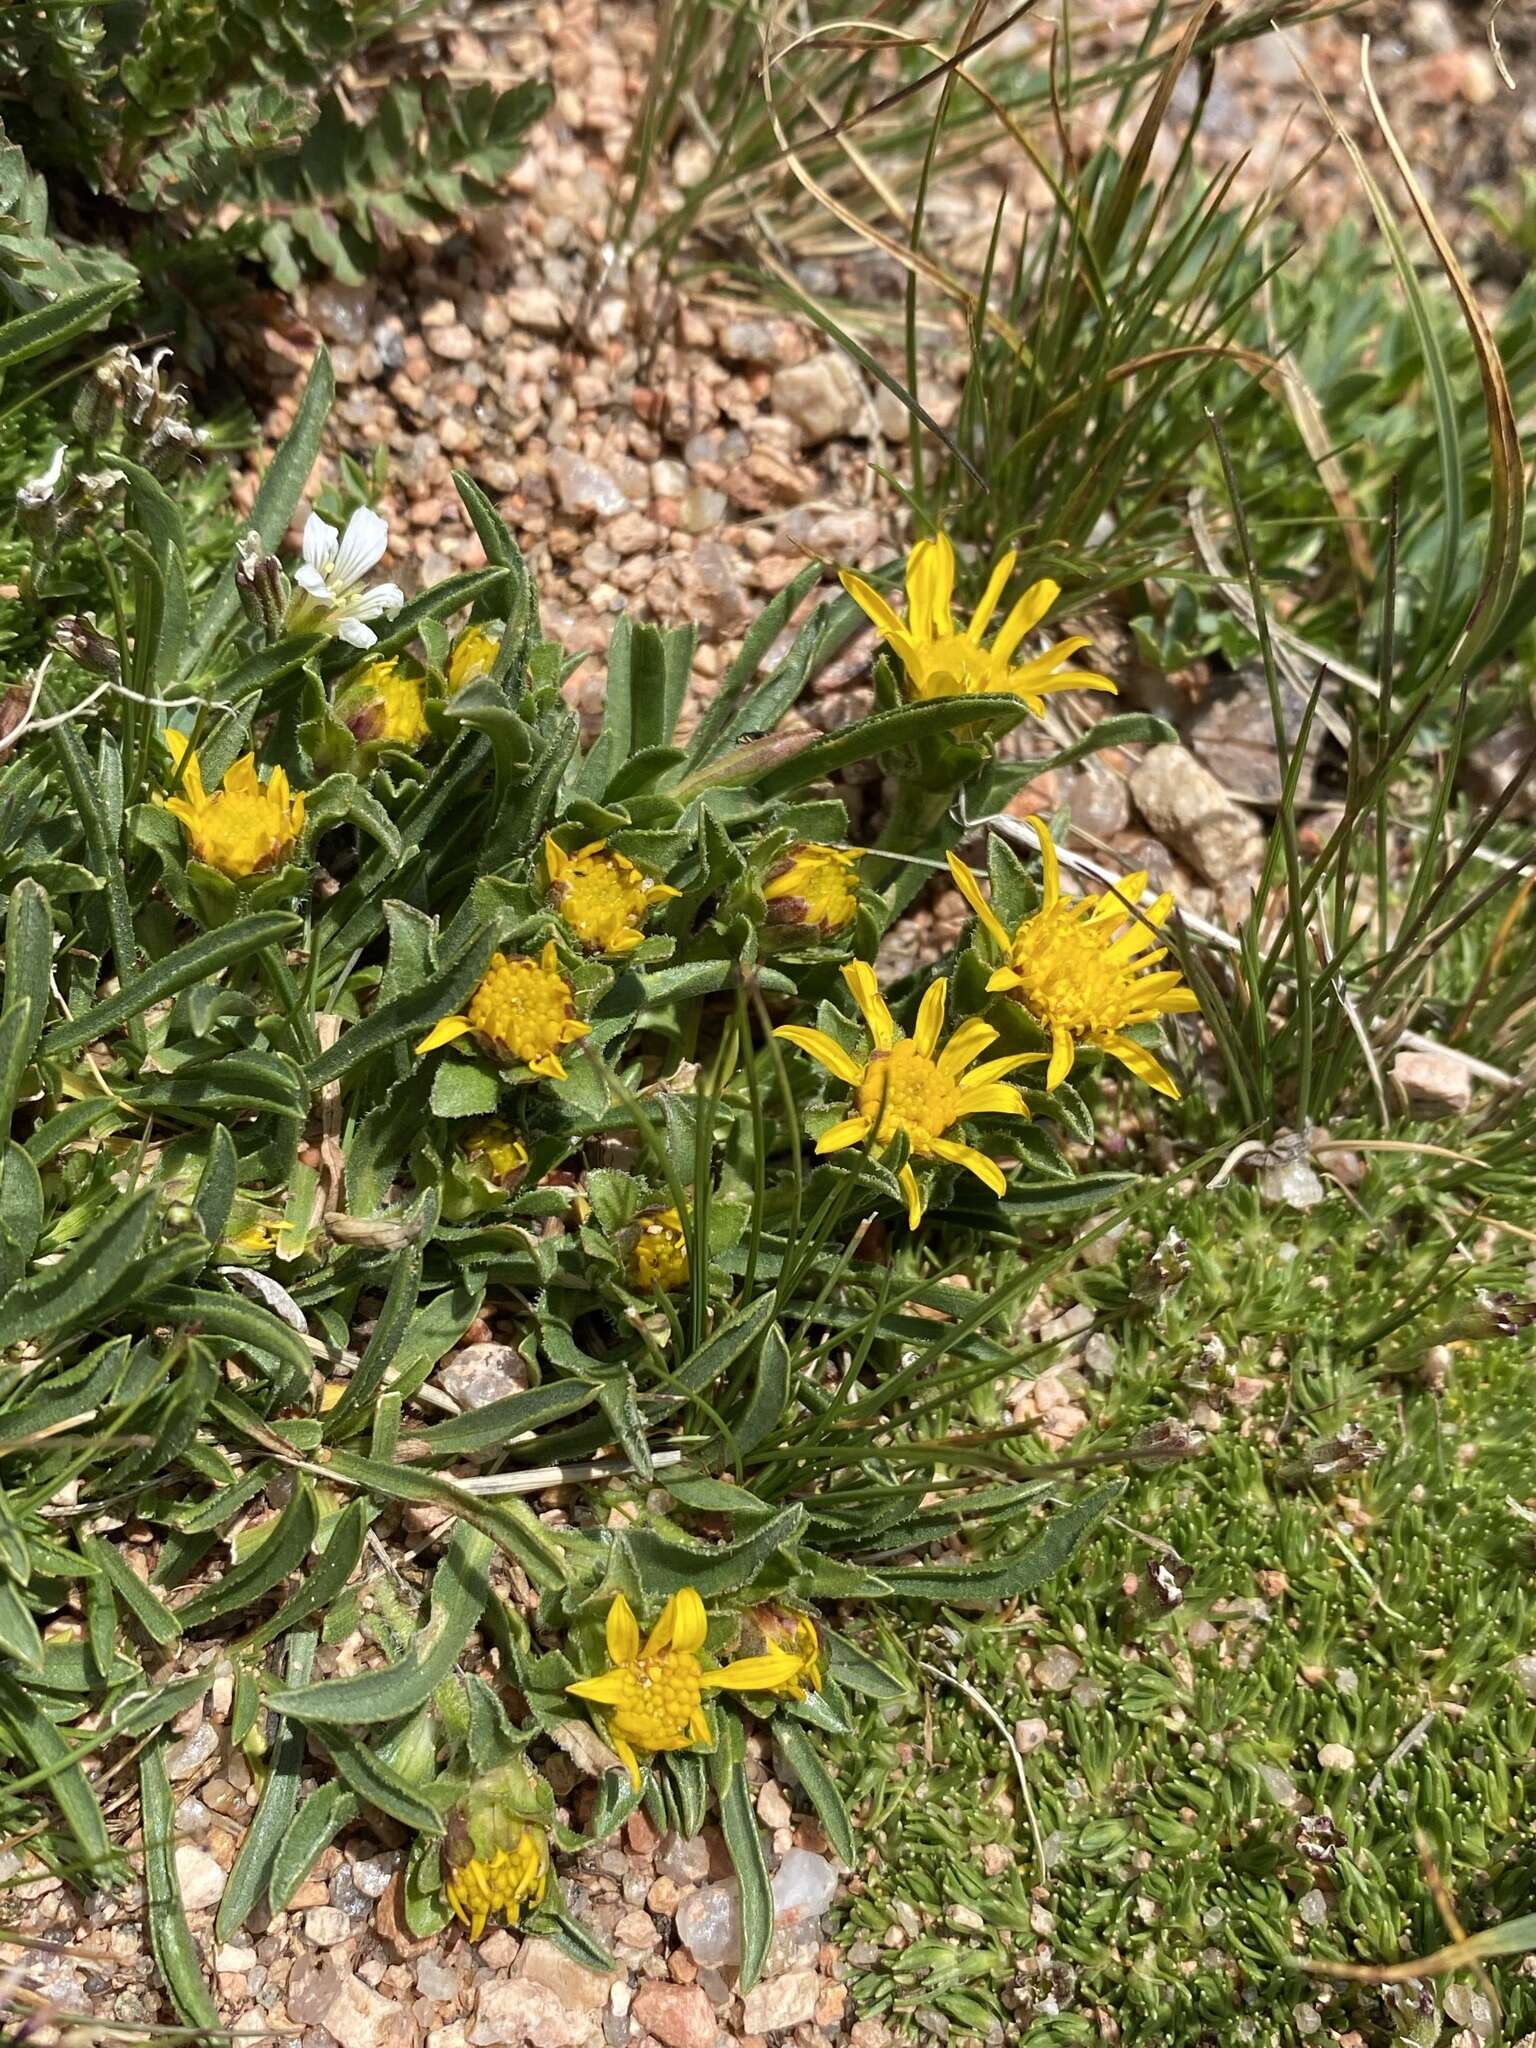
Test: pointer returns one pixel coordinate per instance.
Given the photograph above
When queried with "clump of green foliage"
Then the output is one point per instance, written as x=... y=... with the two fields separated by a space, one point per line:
x=309 y=1060
x=189 y=139
x=1282 y=1665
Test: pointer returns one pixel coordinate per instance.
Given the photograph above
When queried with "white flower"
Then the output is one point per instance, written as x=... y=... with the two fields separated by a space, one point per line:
x=329 y=598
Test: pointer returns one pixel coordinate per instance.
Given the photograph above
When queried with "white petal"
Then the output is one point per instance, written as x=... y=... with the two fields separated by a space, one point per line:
x=382 y=598
x=362 y=545
x=355 y=633
x=319 y=544
x=310 y=579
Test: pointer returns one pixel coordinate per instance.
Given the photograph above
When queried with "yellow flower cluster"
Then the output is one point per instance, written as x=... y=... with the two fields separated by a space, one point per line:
x=1082 y=970
x=814 y=886
x=504 y=1882
x=942 y=661
x=243 y=828
x=602 y=898
x=657 y=1259
x=523 y=1012
x=652 y=1695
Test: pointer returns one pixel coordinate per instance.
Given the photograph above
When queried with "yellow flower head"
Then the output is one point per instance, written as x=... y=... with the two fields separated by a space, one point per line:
x=495 y=1854
x=907 y=1086
x=657 y=1258
x=498 y=1154
x=815 y=886
x=474 y=655
x=245 y=827
x=653 y=1695
x=524 y=1010
x=941 y=661
x=382 y=704
x=602 y=897
x=1081 y=969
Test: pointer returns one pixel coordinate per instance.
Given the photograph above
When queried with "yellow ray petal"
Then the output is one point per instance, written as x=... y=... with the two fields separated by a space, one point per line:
x=860 y=977
x=699 y=1728
x=622 y=1632
x=1144 y=1065
x=444 y=1032
x=683 y=1625
x=824 y=1049
x=1063 y=1052
x=986 y=1170
x=1003 y=977
x=767 y=1673
x=874 y=607
x=627 y=1758
x=996 y=1100
x=931 y=588
x=1025 y=616
x=907 y=1180
x=853 y=1130
x=608 y=1688
x=242 y=779
x=994 y=1070
x=1050 y=866
x=997 y=583
x=968 y=1042
x=970 y=889
x=930 y=1019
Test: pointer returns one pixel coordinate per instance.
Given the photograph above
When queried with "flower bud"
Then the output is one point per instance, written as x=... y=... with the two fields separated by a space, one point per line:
x=495 y=1854
x=814 y=888
x=83 y=641
x=381 y=705
x=169 y=446
x=98 y=399
x=656 y=1256
x=262 y=585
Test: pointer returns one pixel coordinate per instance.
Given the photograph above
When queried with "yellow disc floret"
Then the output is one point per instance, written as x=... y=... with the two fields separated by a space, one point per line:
x=602 y=898
x=941 y=660
x=908 y=1087
x=652 y=1695
x=814 y=885
x=1082 y=969
x=498 y=1154
x=495 y=1853
x=243 y=828
x=523 y=1011
x=657 y=1259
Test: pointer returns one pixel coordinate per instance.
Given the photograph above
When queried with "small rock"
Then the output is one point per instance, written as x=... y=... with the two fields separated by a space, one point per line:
x=1334 y=1756
x=585 y=487
x=371 y=1874
x=454 y=343
x=824 y=398
x=314 y=1985
x=702 y=509
x=1186 y=806
x=341 y=311
x=684 y=1860
x=1432 y=1084
x=769 y=344
x=679 y=2015
x=577 y=1988
x=804 y=1885
x=232 y=1960
x=1288 y=1179
x=1057 y=1670
x=1030 y=1734
x=781 y=2002
x=1312 y=1908
x=325 y=1926
x=537 y=308
x=434 y=1980
x=1489 y=767
x=709 y=1923
x=636 y=1930
x=514 y=2012
x=1233 y=733
x=362 y=2018
x=773 y=1809
x=202 y=1880
x=193 y=1751
x=1524 y=1669
x=480 y=1374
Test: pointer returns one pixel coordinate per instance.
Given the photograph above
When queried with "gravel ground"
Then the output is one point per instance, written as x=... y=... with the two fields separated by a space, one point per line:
x=680 y=460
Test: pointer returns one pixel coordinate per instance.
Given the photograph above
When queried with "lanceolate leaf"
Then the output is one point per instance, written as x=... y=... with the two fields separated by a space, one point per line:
x=1009 y=1578
x=459 y=1590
